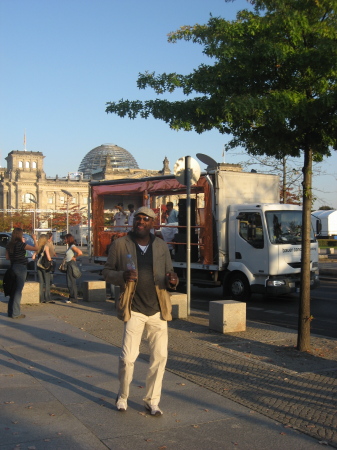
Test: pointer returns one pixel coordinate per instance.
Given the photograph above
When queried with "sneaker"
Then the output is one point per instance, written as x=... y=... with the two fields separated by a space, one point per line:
x=21 y=316
x=154 y=409
x=121 y=404
x=67 y=301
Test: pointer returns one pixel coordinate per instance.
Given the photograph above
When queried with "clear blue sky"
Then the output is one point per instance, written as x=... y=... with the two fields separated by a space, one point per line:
x=62 y=60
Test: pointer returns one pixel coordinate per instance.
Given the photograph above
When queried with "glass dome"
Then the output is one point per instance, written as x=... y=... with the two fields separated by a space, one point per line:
x=96 y=159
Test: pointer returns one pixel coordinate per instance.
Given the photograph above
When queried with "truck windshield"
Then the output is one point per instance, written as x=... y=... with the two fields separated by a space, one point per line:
x=285 y=227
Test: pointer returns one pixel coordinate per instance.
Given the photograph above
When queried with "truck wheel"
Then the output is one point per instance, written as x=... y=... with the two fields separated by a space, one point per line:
x=239 y=287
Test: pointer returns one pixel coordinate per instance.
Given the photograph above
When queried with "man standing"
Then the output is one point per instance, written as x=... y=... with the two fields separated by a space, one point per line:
x=144 y=303
x=171 y=214
x=120 y=218
x=131 y=216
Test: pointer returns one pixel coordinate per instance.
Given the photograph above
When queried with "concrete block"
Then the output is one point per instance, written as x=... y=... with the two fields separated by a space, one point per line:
x=30 y=292
x=179 y=305
x=94 y=291
x=326 y=251
x=227 y=316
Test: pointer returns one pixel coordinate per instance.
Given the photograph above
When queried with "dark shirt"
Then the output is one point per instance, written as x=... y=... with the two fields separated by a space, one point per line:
x=145 y=300
x=18 y=255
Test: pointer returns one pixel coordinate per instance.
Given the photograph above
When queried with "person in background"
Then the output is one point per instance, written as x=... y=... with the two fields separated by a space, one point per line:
x=120 y=218
x=52 y=253
x=131 y=215
x=71 y=254
x=43 y=275
x=171 y=214
x=144 y=304
x=16 y=254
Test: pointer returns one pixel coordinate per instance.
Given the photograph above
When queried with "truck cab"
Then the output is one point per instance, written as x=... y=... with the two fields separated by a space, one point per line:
x=264 y=250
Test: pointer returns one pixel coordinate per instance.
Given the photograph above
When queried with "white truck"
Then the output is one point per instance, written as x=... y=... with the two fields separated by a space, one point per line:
x=242 y=238
x=80 y=233
x=324 y=223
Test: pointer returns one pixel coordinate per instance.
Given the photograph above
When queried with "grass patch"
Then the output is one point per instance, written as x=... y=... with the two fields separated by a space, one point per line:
x=327 y=243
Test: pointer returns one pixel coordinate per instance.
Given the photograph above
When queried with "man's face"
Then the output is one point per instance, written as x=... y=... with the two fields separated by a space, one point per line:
x=169 y=207
x=142 y=225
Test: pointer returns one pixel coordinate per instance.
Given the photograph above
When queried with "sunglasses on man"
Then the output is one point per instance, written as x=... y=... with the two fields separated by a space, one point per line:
x=144 y=218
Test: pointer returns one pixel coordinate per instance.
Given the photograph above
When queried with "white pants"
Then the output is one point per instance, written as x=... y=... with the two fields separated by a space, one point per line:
x=156 y=329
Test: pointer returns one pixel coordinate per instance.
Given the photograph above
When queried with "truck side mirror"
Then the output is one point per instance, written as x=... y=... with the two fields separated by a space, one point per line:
x=318 y=226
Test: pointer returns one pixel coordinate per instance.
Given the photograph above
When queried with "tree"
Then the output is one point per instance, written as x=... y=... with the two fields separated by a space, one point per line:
x=271 y=84
x=325 y=208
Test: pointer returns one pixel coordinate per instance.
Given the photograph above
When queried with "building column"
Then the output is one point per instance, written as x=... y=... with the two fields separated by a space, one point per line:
x=18 y=193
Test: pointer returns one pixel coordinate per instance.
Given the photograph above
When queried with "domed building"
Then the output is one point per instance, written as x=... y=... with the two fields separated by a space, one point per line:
x=110 y=162
x=108 y=156
x=24 y=184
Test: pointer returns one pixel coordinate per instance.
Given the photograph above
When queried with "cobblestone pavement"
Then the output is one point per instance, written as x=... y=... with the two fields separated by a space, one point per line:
x=259 y=368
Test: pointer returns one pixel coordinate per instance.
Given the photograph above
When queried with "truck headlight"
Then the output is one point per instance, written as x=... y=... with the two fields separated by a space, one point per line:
x=276 y=283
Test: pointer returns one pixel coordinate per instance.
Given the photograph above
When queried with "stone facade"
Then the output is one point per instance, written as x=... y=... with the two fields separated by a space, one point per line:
x=25 y=186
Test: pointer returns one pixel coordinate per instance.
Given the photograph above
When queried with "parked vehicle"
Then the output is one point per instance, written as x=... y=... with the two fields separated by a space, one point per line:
x=4 y=239
x=324 y=223
x=80 y=233
x=242 y=238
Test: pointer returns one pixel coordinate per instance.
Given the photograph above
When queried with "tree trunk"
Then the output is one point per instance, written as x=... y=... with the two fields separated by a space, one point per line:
x=304 y=318
x=284 y=183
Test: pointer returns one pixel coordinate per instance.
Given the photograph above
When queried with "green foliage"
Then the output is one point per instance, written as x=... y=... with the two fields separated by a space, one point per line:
x=326 y=243
x=271 y=84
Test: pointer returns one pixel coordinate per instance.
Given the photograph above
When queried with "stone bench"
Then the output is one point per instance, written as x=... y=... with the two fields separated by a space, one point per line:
x=326 y=251
x=94 y=291
x=179 y=305
x=30 y=292
x=227 y=316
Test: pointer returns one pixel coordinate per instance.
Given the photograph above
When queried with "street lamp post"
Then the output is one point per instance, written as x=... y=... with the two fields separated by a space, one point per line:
x=81 y=224
x=11 y=215
x=68 y=194
x=34 y=213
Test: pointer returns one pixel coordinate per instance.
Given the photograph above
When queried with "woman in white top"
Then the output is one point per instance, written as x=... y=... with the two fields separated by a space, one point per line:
x=71 y=254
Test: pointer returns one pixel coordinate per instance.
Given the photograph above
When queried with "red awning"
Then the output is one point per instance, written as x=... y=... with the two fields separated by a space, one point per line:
x=159 y=187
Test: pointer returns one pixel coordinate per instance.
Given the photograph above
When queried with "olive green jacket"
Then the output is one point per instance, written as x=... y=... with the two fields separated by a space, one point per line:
x=116 y=266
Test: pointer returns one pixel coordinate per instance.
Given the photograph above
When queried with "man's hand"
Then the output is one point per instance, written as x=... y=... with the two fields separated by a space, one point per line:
x=130 y=275
x=172 y=278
